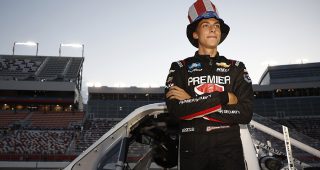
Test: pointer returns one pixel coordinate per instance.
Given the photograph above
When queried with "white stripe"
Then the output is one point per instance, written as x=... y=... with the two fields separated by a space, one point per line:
x=208 y=6
x=193 y=13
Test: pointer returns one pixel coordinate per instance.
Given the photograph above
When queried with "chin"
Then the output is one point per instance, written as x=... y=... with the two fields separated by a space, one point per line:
x=212 y=45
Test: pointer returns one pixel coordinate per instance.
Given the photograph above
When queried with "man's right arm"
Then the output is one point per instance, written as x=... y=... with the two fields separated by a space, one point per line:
x=193 y=107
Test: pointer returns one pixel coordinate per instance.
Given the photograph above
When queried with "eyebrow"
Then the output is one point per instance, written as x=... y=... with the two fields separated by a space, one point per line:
x=217 y=22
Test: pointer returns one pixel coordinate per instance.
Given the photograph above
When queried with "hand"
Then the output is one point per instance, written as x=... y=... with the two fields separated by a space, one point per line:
x=232 y=98
x=178 y=93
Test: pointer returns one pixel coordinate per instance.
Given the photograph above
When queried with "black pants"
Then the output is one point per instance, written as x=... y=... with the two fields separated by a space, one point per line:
x=211 y=151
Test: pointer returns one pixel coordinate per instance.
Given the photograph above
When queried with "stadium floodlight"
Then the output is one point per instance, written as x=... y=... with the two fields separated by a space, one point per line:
x=71 y=45
x=28 y=43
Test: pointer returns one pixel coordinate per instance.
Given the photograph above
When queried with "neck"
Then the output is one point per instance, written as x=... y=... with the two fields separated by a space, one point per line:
x=207 y=51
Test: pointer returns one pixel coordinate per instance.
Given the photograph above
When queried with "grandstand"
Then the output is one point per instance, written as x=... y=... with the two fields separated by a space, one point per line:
x=41 y=109
x=93 y=129
x=44 y=80
x=113 y=102
x=290 y=95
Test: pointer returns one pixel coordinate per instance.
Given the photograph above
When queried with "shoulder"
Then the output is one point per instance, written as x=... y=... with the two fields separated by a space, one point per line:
x=181 y=63
x=240 y=68
x=232 y=63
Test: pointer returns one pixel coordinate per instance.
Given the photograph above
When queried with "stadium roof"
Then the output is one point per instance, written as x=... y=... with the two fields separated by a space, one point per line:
x=293 y=73
x=132 y=90
x=37 y=85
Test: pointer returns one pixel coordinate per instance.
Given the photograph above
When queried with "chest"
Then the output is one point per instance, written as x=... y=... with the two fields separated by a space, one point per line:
x=217 y=76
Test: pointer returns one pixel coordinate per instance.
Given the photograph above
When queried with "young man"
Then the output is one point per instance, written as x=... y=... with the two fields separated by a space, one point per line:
x=210 y=95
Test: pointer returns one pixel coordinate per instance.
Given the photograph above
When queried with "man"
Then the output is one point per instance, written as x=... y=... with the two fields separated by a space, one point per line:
x=210 y=96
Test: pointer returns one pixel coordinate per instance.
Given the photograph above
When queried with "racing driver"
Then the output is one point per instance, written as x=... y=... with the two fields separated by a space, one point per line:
x=210 y=96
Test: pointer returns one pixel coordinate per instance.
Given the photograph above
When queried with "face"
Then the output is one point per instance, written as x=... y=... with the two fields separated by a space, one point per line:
x=208 y=33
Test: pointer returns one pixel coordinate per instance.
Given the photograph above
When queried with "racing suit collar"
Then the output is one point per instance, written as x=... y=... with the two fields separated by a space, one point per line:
x=207 y=57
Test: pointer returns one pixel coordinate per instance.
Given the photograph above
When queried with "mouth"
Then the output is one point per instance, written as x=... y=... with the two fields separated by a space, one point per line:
x=212 y=36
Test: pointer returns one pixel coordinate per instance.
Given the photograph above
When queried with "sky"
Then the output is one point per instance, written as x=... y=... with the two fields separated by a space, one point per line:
x=132 y=43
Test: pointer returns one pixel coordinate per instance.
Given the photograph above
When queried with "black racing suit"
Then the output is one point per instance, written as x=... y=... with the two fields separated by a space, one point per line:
x=210 y=133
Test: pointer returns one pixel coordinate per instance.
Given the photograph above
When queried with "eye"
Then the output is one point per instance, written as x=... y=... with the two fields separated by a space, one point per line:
x=205 y=25
x=217 y=26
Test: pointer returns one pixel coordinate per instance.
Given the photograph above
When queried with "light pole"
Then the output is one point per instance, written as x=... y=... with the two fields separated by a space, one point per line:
x=29 y=43
x=71 y=45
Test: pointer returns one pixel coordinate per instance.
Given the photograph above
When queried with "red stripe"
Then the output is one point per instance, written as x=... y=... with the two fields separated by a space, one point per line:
x=203 y=112
x=213 y=119
x=190 y=20
x=200 y=8
x=214 y=8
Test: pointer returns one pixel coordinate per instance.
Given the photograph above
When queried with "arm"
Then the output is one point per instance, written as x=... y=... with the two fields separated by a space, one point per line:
x=186 y=107
x=241 y=112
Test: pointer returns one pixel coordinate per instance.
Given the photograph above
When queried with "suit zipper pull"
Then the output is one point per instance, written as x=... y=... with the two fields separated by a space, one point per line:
x=210 y=63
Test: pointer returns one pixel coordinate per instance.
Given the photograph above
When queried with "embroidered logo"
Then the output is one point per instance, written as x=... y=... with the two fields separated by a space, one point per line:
x=211 y=128
x=194 y=67
x=223 y=64
x=208 y=88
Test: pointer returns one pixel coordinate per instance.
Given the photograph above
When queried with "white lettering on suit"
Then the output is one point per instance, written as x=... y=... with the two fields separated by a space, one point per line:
x=208 y=79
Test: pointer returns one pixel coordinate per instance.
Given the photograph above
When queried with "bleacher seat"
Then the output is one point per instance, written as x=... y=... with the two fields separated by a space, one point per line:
x=36 y=142
x=56 y=119
x=9 y=117
x=39 y=67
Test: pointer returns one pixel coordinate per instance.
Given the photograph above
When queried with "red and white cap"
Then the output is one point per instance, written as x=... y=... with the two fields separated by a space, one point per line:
x=204 y=9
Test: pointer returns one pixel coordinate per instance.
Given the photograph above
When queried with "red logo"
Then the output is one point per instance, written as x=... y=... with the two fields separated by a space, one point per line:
x=208 y=88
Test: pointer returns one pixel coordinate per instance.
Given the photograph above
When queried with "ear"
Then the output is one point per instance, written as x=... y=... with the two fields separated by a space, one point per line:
x=195 y=35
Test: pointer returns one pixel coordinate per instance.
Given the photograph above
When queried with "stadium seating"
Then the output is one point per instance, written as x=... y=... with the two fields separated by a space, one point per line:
x=29 y=132
x=56 y=119
x=19 y=67
x=92 y=131
x=60 y=68
x=36 y=142
x=8 y=117
x=308 y=126
x=39 y=67
x=73 y=68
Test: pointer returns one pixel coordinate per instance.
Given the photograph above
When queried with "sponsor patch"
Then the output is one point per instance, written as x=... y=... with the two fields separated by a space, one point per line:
x=180 y=63
x=194 y=100
x=247 y=78
x=171 y=71
x=185 y=130
x=237 y=63
x=222 y=70
x=169 y=85
x=169 y=79
x=209 y=79
x=230 y=112
x=211 y=128
x=223 y=64
x=194 y=67
x=208 y=88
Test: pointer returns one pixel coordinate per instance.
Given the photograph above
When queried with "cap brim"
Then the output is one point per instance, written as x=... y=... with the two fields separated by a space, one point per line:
x=192 y=28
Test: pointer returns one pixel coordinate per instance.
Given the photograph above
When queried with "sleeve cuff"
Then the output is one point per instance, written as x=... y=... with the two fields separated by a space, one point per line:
x=224 y=98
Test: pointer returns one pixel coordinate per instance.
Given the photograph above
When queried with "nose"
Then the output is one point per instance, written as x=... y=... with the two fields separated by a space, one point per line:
x=212 y=28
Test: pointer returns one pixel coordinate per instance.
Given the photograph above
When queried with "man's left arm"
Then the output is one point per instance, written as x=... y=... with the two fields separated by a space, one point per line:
x=240 y=113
